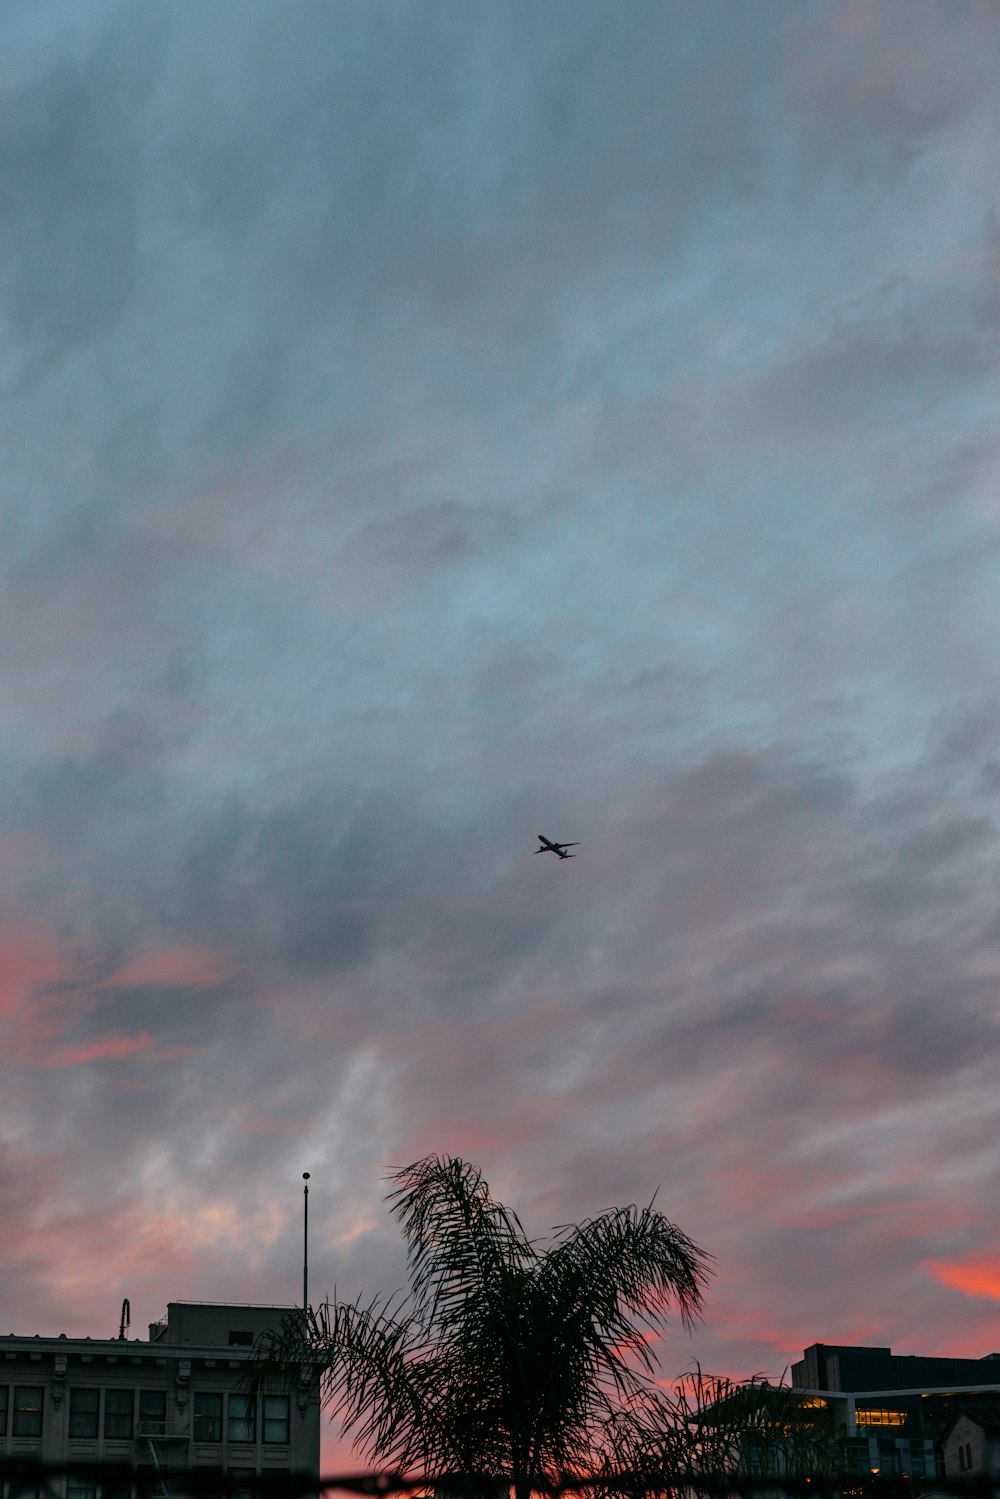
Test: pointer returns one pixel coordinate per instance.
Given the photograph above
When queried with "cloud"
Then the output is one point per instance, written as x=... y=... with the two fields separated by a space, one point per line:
x=116 y=1047
x=425 y=429
x=191 y=967
x=977 y=1278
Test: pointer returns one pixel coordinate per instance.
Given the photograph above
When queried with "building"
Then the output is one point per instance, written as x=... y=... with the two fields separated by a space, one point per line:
x=837 y=1366
x=162 y=1405
x=898 y=1410
x=971 y=1447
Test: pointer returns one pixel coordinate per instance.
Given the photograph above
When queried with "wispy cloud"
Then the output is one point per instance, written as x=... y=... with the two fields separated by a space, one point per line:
x=422 y=428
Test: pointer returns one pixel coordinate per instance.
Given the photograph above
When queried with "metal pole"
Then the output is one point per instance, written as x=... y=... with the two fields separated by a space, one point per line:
x=305 y=1242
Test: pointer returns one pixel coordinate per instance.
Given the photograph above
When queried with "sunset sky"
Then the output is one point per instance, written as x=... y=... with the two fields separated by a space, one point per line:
x=429 y=422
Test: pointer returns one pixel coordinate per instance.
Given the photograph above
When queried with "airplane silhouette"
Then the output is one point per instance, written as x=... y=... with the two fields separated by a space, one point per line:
x=555 y=848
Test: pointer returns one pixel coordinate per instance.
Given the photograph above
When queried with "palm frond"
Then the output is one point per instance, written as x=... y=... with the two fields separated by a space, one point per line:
x=505 y=1358
x=634 y=1264
x=372 y=1370
x=457 y=1237
x=280 y=1356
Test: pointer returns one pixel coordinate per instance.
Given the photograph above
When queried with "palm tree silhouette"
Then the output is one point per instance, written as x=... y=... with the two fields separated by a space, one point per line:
x=506 y=1360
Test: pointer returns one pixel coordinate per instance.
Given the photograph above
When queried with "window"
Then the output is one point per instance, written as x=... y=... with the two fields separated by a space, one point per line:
x=242 y=1425
x=208 y=1481
x=28 y=1410
x=244 y=1478
x=83 y=1410
x=207 y=1416
x=118 y=1408
x=880 y=1417
x=80 y=1488
x=276 y=1419
x=241 y=1340
x=3 y=1410
x=118 y=1489
x=152 y=1413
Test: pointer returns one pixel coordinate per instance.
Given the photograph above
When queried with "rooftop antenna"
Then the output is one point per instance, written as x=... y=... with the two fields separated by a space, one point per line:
x=305 y=1242
x=126 y=1320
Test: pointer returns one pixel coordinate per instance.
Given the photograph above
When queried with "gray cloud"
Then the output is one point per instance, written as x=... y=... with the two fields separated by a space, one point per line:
x=429 y=427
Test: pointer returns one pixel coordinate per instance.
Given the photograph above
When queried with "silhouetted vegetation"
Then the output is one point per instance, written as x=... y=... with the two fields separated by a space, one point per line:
x=505 y=1359
x=716 y=1428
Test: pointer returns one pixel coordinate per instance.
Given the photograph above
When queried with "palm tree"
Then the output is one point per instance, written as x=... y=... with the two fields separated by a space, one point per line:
x=505 y=1360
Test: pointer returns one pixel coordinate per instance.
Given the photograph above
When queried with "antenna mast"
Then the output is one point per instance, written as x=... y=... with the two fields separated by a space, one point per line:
x=305 y=1242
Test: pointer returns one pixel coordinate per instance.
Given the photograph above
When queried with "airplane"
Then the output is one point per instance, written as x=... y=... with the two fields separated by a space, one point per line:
x=555 y=848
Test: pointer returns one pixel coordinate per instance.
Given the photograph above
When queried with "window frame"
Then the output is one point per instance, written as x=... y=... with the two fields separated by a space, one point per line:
x=284 y=1421
x=114 y=1395
x=248 y=1421
x=241 y=1473
x=143 y=1418
x=35 y=1427
x=91 y=1419
x=202 y=1416
x=202 y=1470
x=80 y=1488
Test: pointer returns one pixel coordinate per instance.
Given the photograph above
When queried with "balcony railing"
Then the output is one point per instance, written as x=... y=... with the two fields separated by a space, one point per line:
x=168 y=1431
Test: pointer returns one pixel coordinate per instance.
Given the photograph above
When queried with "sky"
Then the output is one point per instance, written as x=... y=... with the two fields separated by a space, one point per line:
x=428 y=424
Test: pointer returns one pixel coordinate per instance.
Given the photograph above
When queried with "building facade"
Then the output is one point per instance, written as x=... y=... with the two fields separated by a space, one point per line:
x=156 y=1406
x=897 y=1410
x=971 y=1447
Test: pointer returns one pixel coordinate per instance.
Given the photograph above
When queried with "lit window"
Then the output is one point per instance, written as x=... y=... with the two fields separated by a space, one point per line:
x=28 y=1410
x=83 y=1411
x=207 y=1416
x=242 y=1425
x=118 y=1409
x=276 y=1419
x=876 y=1416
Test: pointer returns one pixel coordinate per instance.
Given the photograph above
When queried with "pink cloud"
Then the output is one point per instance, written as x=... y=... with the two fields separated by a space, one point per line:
x=29 y=960
x=116 y=1048
x=975 y=1277
x=188 y=967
